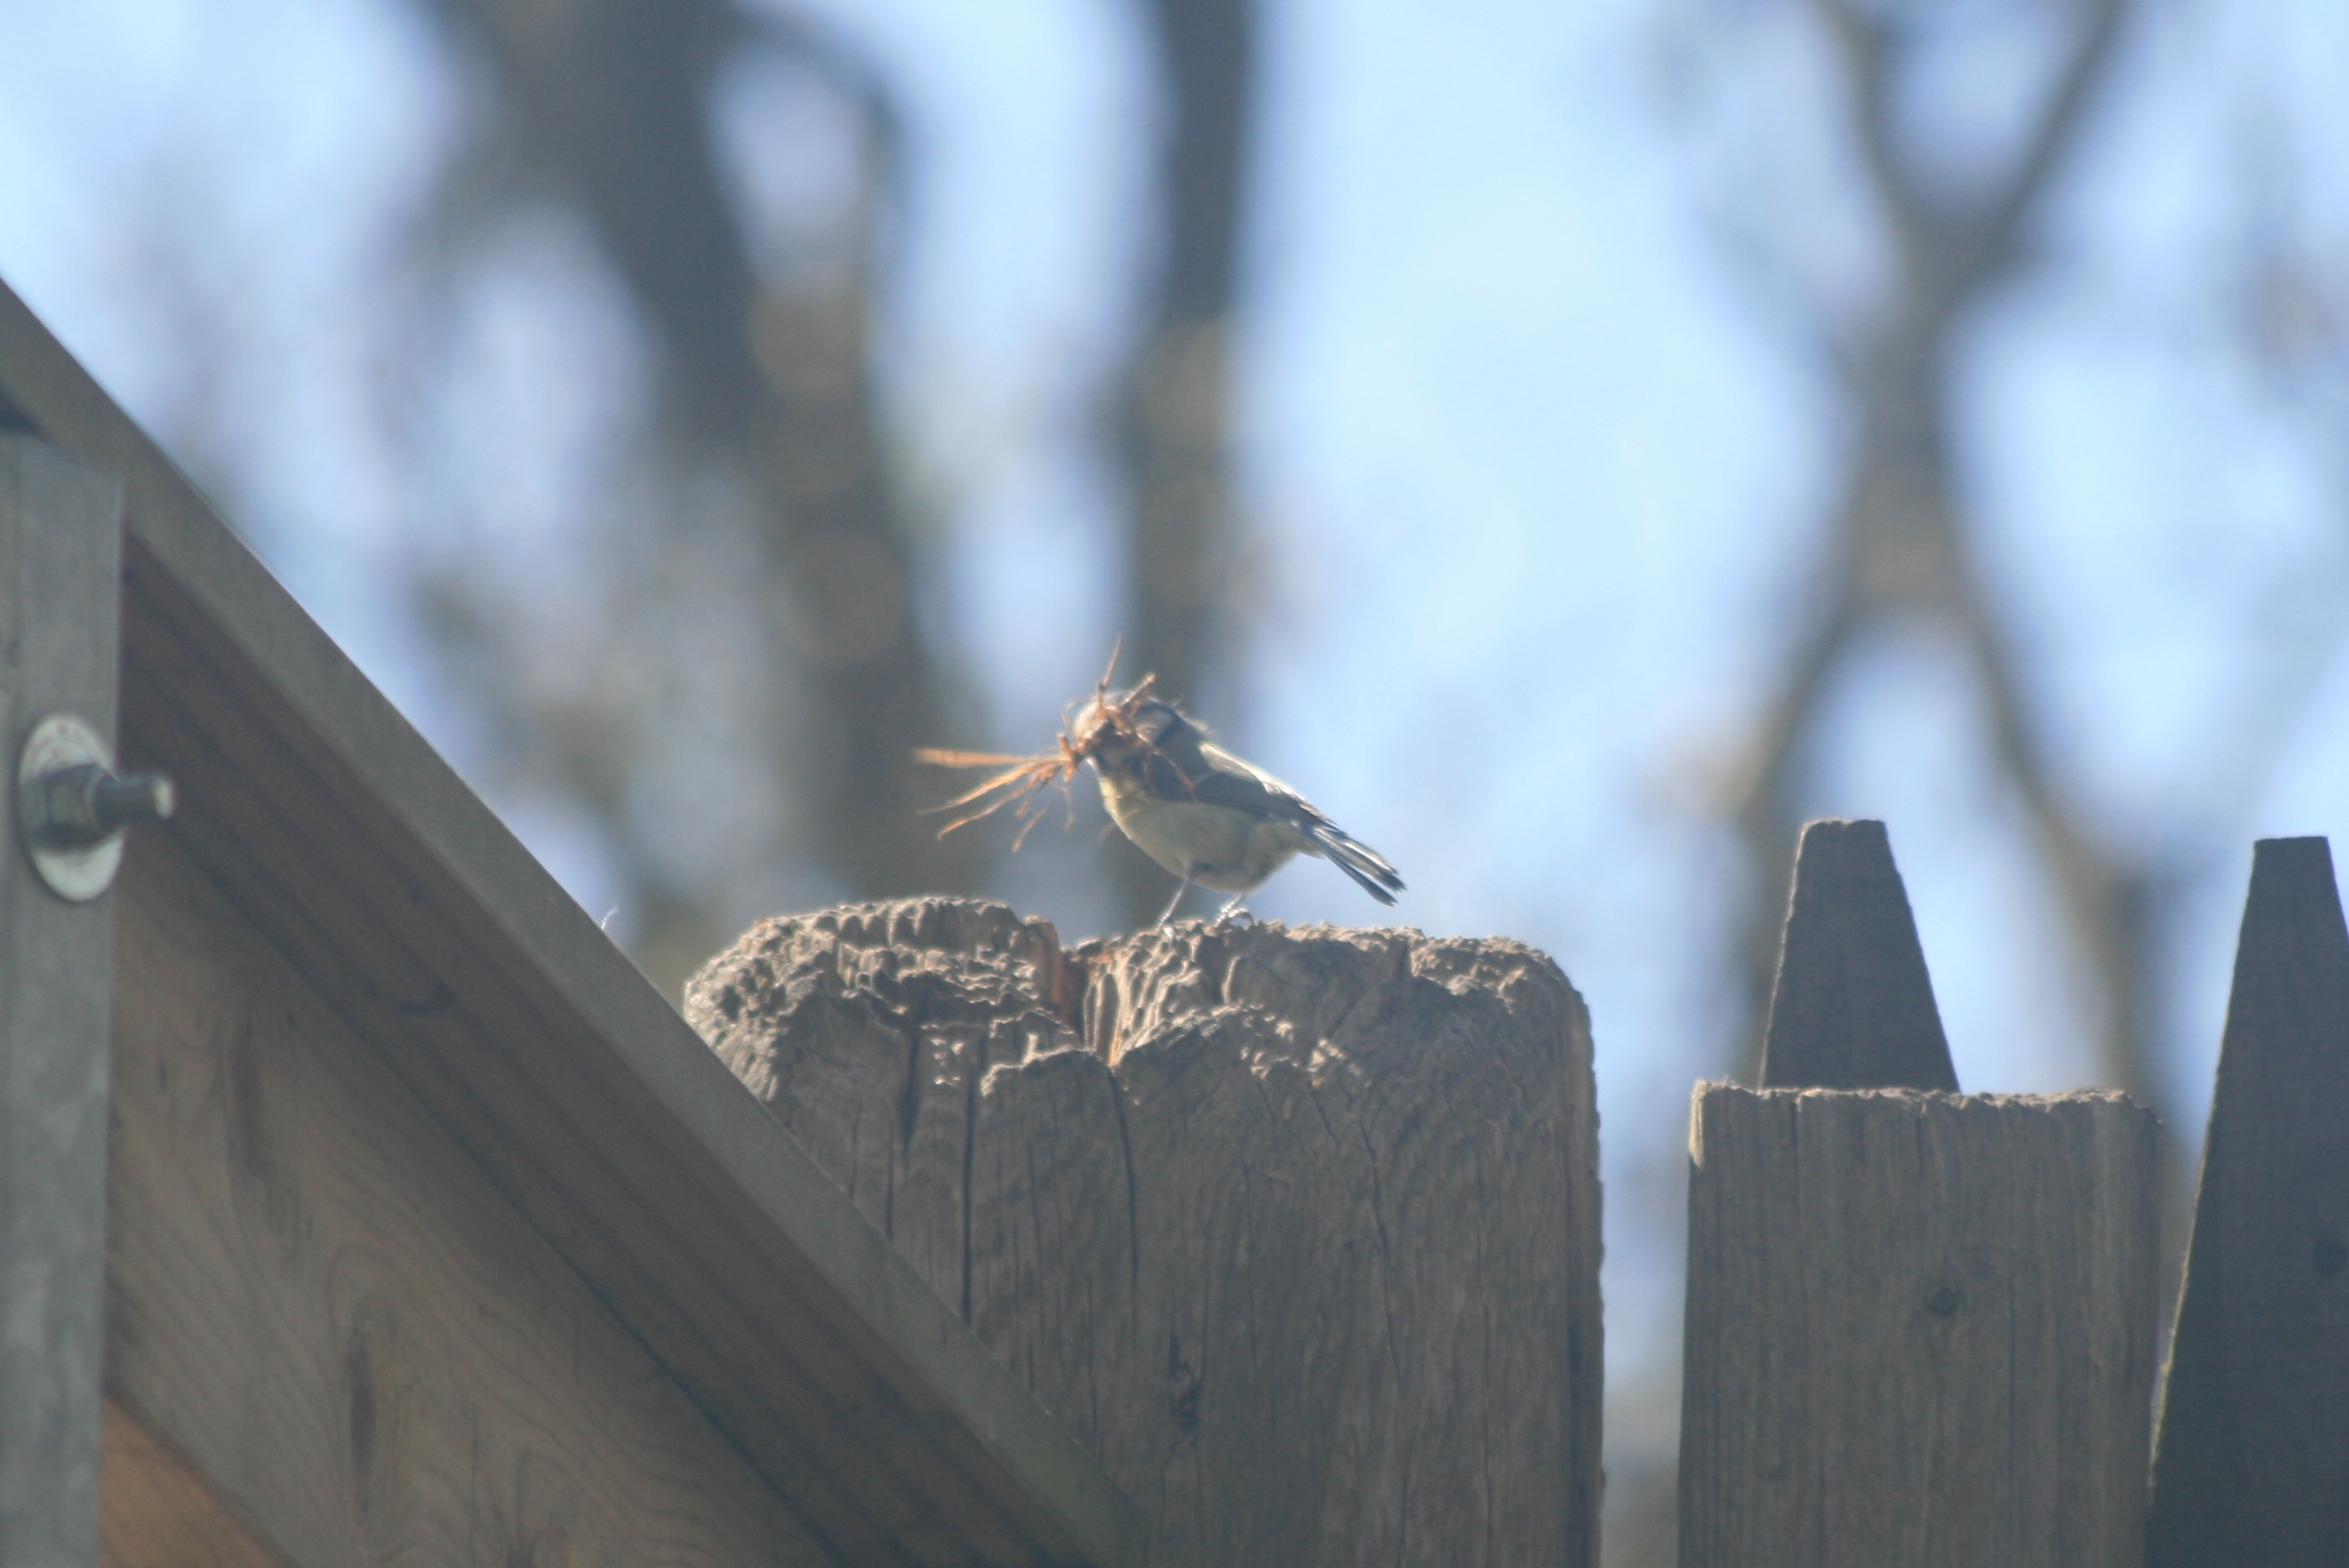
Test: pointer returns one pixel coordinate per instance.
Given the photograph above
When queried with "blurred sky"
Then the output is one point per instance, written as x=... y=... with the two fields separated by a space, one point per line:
x=1537 y=465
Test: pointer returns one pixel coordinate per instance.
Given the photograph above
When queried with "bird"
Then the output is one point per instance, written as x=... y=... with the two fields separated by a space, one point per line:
x=1204 y=814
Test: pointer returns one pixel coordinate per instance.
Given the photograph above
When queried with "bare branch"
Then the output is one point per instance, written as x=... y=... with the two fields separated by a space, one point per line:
x=1895 y=546
x=1869 y=69
x=1991 y=239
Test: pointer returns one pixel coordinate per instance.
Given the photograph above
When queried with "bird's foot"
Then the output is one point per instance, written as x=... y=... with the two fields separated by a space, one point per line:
x=1235 y=913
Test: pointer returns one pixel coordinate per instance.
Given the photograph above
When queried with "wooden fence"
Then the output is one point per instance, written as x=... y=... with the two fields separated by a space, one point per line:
x=367 y=1205
x=1922 y=1324
x=1297 y=1230
x=359 y=1202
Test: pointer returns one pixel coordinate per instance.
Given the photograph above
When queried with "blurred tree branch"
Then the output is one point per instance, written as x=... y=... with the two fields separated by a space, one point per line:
x=1899 y=542
x=606 y=108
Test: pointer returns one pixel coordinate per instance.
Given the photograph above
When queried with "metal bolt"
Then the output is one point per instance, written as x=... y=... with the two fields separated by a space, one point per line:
x=133 y=801
x=72 y=809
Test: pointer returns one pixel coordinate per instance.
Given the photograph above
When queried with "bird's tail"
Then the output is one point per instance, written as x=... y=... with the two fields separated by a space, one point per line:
x=1358 y=860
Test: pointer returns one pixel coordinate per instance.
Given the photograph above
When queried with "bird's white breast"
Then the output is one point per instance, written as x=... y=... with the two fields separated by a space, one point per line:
x=1215 y=846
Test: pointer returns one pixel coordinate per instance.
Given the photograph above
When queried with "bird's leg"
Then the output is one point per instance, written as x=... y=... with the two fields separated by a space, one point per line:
x=1168 y=913
x=1233 y=911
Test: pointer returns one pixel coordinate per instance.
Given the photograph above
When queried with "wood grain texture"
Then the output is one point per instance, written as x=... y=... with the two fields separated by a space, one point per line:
x=60 y=575
x=1853 y=1006
x=1297 y=1231
x=355 y=1348
x=2252 y=1467
x=1920 y=1331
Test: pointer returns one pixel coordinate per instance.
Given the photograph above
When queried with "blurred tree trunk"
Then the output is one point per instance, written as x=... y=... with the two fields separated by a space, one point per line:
x=1183 y=613
x=606 y=107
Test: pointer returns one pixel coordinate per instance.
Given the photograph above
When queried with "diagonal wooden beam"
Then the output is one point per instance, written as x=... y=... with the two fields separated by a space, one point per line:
x=813 y=1349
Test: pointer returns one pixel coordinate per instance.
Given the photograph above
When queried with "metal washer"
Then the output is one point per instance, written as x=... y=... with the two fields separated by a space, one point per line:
x=75 y=872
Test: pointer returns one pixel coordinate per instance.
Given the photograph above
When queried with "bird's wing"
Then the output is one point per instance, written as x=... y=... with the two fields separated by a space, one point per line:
x=1183 y=766
x=1347 y=854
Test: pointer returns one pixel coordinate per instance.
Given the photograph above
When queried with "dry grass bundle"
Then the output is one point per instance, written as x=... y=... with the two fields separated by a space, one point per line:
x=1022 y=779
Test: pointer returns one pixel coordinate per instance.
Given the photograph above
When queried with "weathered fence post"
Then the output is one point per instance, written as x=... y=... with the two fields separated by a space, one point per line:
x=1297 y=1231
x=1919 y=1324
x=2253 y=1463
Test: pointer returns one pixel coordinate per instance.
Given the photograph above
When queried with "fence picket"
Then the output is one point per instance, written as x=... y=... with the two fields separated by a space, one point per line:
x=1853 y=1007
x=2252 y=1462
